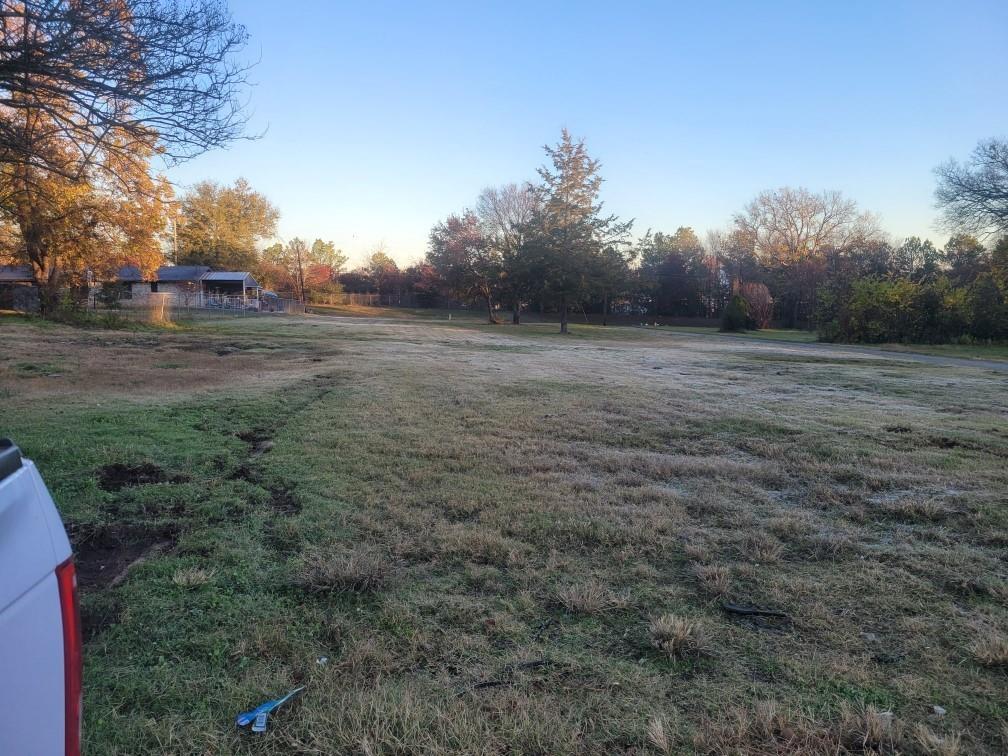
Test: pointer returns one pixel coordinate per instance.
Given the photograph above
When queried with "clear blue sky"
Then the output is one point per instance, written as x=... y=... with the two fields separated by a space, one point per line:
x=382 y=118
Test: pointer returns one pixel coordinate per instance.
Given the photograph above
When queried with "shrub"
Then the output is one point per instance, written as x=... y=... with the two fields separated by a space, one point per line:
x=735 y=315
x=759 y=304
x=112 y=294
x=876 y=310
x=986 y=309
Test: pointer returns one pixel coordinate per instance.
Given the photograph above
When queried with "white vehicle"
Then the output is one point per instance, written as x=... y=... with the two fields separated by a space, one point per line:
x=40 y=631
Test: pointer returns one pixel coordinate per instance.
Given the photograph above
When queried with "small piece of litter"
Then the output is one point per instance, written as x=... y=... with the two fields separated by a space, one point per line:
x=258 y=716
x=322 y=661
x=938 y=710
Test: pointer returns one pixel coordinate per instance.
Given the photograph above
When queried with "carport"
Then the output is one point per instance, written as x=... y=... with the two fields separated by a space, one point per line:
x=230 y=284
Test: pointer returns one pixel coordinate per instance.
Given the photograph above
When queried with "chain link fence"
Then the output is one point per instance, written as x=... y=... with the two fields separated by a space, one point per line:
x=166 y=308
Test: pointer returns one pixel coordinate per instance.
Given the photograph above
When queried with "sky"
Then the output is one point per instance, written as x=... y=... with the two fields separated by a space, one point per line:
x=379 y=119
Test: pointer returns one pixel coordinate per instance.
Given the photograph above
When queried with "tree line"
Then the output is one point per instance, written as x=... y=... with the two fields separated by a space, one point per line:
x=792 y=257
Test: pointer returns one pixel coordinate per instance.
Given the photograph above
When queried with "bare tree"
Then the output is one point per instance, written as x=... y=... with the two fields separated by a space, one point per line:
x=506 y=213
x=791 y=225
x=791 y=230
x=297 y=252
x=109 y=76
x=973 y=196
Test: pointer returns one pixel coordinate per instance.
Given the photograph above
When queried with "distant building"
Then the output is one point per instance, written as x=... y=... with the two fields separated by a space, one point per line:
x=188 y=284
x=17 y=288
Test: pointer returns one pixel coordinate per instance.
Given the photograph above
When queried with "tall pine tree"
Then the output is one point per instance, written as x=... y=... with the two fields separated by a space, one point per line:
x=573 y=231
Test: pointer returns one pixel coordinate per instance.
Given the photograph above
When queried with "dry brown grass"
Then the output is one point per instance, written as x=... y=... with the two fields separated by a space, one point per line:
x=715 y=579
x=145 y=365
x=696 y=551
x=926 y=508
x=193 y=577
x=933 y=744
x=769 y=728
x=483 y=545
x=360 y=570
x=658 y=735
x=991 y=648
x=590 y=597
x=763 y=547
x=676 y=636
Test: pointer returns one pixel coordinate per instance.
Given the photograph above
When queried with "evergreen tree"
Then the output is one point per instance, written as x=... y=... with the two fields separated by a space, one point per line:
x=573 y=232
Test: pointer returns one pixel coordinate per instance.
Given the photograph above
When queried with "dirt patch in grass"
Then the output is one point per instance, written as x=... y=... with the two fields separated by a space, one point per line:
x=259 y=440
x=104 y=555
x=120 y=475
x=283 y=501
x=898 y=429
x=944 y=442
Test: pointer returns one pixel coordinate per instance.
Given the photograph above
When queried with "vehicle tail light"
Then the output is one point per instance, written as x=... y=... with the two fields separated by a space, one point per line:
x=73 y=659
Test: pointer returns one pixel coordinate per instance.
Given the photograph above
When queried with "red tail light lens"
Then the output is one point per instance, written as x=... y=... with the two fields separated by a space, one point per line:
x=73 y=658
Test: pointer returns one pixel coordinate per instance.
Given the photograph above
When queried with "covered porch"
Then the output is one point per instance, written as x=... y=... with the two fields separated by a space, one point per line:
x=230 y=289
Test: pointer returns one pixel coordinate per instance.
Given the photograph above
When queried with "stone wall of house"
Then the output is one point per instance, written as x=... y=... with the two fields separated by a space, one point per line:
x=139 y=293
x=180 y=293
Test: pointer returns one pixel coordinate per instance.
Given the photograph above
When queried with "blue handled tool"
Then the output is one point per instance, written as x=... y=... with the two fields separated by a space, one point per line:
x=258 y=716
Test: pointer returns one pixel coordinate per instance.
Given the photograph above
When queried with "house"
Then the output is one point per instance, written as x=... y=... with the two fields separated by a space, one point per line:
x=191 y=285
x=180 y=281
x=17 y=288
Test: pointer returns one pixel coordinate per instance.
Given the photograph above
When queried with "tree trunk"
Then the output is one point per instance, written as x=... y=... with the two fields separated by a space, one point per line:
x=49 y=296
x=516 y=313
x=46 y=278
x=605 y=309
x=490 y=315
x=563 y=313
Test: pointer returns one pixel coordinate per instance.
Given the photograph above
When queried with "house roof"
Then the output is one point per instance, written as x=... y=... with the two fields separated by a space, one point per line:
x=232 y=276
x=16 y=273
x=129 y=274
x=181 y=272
x=185 y=273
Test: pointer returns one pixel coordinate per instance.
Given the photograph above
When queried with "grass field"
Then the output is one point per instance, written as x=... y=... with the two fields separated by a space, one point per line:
x=500 y=540
x=997 y=352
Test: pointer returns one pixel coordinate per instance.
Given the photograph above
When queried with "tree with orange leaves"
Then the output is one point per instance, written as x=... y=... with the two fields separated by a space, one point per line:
x=90 y=92
x=71 y=229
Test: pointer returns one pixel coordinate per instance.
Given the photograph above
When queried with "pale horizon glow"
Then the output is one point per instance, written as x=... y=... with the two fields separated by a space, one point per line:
x=380 y=119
